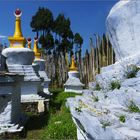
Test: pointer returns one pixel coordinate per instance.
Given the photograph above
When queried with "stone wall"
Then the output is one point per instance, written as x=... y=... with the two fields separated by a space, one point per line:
x=16 y=102
x=10 y=97
x=5 y=109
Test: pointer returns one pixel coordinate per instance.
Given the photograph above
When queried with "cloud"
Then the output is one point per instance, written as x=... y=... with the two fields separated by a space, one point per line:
x=3 y=37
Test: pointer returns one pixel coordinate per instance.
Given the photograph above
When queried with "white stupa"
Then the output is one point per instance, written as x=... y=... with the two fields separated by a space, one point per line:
x=73 y=83
x=19 y=60
x=39 y=66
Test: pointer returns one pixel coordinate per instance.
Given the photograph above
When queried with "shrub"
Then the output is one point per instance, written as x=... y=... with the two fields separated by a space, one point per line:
x=95 y=98
x=97 y=87
x=105 y=124
x=56 y=91
x=115 y=85
x=131 y=71
x=122 y=118
x=105 y=96
x=133 y=108
x=78 y=109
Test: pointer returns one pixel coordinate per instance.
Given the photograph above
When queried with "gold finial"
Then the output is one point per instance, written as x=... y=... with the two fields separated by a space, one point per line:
x=37 y=54
x=17 y=41
x=29 y=43
x=73 y=66
x=18 y=32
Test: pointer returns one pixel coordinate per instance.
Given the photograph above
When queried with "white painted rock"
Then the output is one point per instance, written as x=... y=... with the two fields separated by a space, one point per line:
x=123 y=25
x=21 y=56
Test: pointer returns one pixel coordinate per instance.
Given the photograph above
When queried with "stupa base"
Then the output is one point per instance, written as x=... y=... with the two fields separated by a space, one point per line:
x=34 y=103
x=9 y=131
x=30 y=88
x=74 y=89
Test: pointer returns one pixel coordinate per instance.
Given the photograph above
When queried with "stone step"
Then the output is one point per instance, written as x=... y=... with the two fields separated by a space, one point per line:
x=26 y=70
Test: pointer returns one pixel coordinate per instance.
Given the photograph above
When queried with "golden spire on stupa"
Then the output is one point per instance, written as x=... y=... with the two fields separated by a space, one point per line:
x=17 y=40
x=29 y=43
x=37 y=53
x=73 y=65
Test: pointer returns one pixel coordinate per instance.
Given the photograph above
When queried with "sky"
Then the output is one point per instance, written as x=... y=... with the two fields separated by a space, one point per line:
x=87 y=17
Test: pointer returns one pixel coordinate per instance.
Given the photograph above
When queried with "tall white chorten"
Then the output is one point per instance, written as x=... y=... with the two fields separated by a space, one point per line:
x=19 y=60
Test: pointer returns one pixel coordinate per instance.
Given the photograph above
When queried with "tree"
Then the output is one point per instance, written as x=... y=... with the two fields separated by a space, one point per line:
x=61 y=26
x=78 y=40
x=63 y=34
x=42 y=21
x=47 y=41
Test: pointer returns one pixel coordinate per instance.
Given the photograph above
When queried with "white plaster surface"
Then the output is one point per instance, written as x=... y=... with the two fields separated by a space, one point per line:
x=109 y=107
x=10 y=111
x=73 y=74
x=124 y=28
x=45 y=87
x=22 y=56
x=19 y=60
x=31 y=84
x=26 y=70
x=97 y=113
x=73 y=81
x=28 y=87
x=31 y=98
x=73 y=84
x=73 y=89
x=43 y=75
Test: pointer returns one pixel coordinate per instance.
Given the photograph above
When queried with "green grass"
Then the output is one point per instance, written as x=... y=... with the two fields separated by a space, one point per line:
x=97 y=87
x=78 y=109
x=122 y=118
x=57 y=123
x=105 y=124
x=133 y=108
x=56 y=91
x=115 y=85
x=95 y=99
x=131 y=71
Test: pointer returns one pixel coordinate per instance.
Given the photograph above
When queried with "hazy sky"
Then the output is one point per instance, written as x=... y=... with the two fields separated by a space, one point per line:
x=87 y=17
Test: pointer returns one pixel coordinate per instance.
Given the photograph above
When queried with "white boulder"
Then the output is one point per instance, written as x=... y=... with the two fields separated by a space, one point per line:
x=112 y=112
x=124 y=28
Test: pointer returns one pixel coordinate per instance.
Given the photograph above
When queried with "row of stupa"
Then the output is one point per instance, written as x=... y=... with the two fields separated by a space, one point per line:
x=25 y=81
x=18 y=41
x=73 y=83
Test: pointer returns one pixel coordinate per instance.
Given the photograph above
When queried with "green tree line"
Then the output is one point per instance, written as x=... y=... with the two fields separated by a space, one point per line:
x=58 y=42
x=55 y=34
